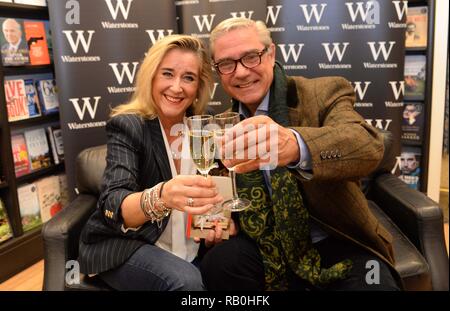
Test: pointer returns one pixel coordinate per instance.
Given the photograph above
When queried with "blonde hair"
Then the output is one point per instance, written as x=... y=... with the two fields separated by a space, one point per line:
x=238 y=23
x=142 y=102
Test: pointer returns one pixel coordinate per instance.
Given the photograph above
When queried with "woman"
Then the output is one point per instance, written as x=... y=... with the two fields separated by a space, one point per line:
x=136 y=239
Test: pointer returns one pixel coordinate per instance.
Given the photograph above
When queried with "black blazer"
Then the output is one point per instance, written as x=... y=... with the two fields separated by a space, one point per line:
x=136 y=159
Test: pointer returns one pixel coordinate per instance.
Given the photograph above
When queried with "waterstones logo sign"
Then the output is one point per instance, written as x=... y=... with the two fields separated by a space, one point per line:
x=364 y=15
x=81 y=106
x=401 y=8
x=378 y=49
x=204 y=24
x=310 y=11
x=361 y=91
x=212 y=102
x=398 y=90
x=335 y=51
x=291 y=54
x=380 y=123
x=115 y=7
x=79 y=42
x=121 y=71
x=158 y=34
x=272 y=17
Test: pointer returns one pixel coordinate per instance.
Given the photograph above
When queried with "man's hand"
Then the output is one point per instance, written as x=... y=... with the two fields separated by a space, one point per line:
x=215 y=236
x=258 y=142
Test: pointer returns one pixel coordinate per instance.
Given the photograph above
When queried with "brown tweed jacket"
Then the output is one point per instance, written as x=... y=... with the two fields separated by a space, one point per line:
x=343 y=149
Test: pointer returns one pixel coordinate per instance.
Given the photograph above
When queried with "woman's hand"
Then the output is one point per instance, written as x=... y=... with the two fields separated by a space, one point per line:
x=193 y=194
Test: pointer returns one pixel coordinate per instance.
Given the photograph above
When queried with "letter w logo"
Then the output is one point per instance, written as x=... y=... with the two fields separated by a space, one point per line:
x=204 y=22
x=361 y=92
x=381 y=48
x=151 y=34
x=400 y=10
x=242 y=14
x=313 y=10
x=273 y=16
x=125 y=71
x=80 y=39
x=291 y=51
x=397 y=90
x=336 y=50
x=86 y=105
x=359 y=10
x=119 y=6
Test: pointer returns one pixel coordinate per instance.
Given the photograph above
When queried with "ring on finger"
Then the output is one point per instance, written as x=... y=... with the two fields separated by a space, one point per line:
x=190 y=202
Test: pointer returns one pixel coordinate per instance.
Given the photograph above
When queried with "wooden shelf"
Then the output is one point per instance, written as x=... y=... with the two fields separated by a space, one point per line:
x=16 y=125
x=27 y=69
x=23 y=10
x=40 y=173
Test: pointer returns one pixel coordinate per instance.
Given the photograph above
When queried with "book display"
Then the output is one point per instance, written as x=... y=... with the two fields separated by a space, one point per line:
x=32 y=182
x=417 y=102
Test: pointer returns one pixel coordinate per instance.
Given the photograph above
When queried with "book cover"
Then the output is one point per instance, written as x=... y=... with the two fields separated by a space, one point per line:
x=413 y=122
x=37 y=42
x=20 y=154
x=49 y=195
x=29 y=206
x=410 y=166
x=14 y=49
x=38 y=149
x=415 y=77
x=56 y=143
x=5 y=228
x=48 y=95
x=200 y=225
x=416 y=27
x=34 y=110
x=16 y=99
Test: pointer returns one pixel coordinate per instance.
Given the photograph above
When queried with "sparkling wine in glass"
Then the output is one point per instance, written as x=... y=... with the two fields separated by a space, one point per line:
x=225 y=121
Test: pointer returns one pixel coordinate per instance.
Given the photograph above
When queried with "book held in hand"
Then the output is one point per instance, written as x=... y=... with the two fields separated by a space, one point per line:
x=200 y=225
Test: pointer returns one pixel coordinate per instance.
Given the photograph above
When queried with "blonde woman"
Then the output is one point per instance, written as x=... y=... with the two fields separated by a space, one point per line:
x=136 y=239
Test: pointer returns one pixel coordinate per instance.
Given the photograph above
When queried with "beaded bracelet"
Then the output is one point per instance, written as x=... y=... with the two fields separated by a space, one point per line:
x=153 y=206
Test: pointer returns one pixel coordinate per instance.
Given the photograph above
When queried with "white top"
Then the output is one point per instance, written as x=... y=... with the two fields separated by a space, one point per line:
x=173 y=239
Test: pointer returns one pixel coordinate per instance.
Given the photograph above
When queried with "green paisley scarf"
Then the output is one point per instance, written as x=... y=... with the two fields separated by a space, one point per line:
x=279 y=224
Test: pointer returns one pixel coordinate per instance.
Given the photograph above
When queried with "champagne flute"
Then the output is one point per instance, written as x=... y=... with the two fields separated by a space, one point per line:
x=223 y=122
x=202 y=147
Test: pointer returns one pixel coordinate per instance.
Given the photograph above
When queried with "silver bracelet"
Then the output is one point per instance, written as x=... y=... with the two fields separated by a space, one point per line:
x=153 y=207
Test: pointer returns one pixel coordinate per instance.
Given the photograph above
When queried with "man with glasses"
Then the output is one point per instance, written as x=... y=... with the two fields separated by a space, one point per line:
x=309 y=226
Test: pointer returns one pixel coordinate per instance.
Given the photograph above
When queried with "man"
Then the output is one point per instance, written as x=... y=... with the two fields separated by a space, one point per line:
x=15 y=50
x=328 y=148
x=410 y=168
x=410 y=113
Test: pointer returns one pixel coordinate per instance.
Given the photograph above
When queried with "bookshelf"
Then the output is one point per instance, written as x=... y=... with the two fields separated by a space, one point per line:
x=416 y=53
x=24 y=248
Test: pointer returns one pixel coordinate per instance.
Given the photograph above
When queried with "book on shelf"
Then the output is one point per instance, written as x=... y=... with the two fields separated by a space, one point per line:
x=415 y=77
x=14 y=48
x=56 y=143
x=49 y=196
x=34 y=109
x=16 y=99
x=48 y=95
x=5 y=228
x=20 y=154
x=416 y=27
x=410 y=170
x=413 y=122
x=37 y=42
x=29 y=206
x=199 y=226
x=38 y=149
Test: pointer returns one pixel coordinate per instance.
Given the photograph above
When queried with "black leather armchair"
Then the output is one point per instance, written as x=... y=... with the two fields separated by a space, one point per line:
x=415 y=221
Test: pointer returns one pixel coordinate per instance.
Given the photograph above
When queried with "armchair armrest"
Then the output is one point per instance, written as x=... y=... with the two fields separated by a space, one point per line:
x=419 y=218
x=61 y=235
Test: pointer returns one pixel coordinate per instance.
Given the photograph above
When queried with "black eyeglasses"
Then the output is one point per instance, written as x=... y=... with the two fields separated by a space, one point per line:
x=250 y=60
